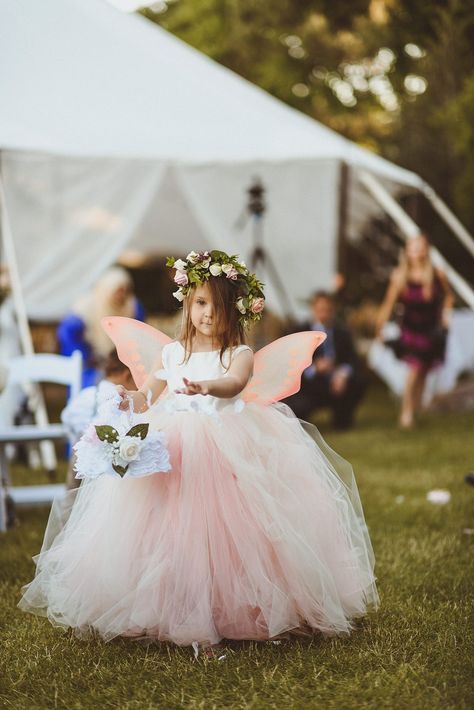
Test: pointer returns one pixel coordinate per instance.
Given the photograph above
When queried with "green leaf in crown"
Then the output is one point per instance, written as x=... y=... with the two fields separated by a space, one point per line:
x=194 y=278
x=107 y=433
x=140 y=430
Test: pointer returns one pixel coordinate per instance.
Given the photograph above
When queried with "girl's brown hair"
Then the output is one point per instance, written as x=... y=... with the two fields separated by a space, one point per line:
x=224 y=294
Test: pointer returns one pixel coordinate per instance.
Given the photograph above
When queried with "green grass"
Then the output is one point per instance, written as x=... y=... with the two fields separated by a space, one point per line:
x=416 y=652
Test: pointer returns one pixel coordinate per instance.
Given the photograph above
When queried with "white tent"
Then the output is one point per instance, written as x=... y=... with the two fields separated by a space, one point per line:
x=116 y=134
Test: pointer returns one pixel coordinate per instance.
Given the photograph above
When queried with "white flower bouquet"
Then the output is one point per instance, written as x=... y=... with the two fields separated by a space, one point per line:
x=121 y=451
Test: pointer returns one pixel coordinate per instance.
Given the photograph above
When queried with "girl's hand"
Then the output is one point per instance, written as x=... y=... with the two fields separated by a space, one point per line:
x=124 y=396
x=138 y=398
x=191 y=388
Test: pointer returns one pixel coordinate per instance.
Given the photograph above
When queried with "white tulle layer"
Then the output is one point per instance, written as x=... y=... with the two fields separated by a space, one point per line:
x=251 y=534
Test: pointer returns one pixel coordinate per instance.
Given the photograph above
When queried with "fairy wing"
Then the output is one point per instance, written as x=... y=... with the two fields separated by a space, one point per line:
x=138 y=344
x=278 y=367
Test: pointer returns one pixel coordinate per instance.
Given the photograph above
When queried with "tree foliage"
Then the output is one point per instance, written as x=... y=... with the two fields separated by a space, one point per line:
x=397 y=76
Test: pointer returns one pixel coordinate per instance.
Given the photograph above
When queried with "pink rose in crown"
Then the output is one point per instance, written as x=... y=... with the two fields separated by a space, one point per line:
x=181 y=278
x=232 y=274
x=257 y=305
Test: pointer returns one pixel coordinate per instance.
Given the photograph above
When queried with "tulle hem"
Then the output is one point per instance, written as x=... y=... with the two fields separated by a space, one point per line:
x=303 y=630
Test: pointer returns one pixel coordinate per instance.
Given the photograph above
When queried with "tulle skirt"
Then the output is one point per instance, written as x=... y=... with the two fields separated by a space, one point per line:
x=257 y=530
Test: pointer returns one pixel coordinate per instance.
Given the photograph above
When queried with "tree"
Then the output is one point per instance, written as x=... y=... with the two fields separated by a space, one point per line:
x=396 y=76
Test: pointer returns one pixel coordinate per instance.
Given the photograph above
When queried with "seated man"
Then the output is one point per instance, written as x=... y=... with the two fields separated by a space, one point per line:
x=334 y=379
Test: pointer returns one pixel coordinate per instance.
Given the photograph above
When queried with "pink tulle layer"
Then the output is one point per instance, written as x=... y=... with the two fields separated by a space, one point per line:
x=252 y=534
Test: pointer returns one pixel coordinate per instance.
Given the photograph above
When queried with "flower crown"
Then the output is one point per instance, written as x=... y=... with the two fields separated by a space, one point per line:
x=199 y=267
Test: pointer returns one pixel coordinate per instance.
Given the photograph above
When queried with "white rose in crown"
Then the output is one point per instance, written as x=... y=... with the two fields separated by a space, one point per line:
x=180 y=265
x=215 y=269
x=192 y=257
x=240 y=305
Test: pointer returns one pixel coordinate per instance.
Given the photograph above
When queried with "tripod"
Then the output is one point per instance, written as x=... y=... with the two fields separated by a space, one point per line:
x=259 y=256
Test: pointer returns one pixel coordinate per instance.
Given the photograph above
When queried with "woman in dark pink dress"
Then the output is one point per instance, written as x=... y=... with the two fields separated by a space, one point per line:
x=424 y=293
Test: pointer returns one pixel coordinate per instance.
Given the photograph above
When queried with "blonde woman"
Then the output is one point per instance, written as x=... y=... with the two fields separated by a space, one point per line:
x=81 y=329
x=427 y=301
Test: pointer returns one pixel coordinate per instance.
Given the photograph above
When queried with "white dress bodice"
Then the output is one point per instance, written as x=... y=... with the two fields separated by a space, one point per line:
x=200 y=366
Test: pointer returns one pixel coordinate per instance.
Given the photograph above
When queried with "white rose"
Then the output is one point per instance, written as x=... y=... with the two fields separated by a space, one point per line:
x=129 y=449
x=179 y=295
x=240 y=305
x=180 y=265
x=226 y=268
x=192 y=257
x=215 y=269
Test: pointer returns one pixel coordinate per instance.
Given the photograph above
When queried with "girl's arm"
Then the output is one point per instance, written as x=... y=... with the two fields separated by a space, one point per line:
x=230 y=385
x=448 y=300
x=391 y=297
x=148 y=392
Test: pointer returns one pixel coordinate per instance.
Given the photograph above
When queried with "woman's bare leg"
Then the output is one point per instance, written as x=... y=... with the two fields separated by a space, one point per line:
x=418 y=390
x=407 y=411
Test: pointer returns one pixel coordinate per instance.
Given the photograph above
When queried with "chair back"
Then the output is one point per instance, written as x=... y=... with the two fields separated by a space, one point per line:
x=46 y=367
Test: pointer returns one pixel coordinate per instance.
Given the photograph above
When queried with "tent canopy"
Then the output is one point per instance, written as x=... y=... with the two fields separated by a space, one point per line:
x=116 y=134
x=87 y=80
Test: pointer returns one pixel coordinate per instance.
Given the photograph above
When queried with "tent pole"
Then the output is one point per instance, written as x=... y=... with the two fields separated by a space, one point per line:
x=41 y=416
x=410 y=229
x=14 y=277
x=449 y=218
x=342 y=218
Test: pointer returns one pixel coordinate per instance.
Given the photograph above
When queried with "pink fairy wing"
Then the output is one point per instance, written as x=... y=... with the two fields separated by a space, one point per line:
x=278 y=367
x=138 y=344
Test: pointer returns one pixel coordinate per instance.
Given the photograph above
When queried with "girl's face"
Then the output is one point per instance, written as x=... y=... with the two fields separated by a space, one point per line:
x=417 y=249
x=203 y=313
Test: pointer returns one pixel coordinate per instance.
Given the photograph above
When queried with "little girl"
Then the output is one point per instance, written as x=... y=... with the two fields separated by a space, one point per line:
x=253 y=532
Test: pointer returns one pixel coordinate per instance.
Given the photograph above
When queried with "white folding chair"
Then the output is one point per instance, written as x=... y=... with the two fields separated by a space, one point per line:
x=46 y=367
x=28 y=371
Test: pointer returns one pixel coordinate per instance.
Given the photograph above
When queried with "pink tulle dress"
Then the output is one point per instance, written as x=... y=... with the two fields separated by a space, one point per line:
x=257 y=530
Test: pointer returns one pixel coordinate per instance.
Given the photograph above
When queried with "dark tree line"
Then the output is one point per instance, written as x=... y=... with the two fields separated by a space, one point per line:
x=396 y=76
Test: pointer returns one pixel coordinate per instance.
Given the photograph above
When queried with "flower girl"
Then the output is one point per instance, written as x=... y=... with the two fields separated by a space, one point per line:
x=257 y=528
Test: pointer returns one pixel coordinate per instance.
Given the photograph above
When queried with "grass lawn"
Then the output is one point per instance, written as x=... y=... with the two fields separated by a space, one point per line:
x=416 y=652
